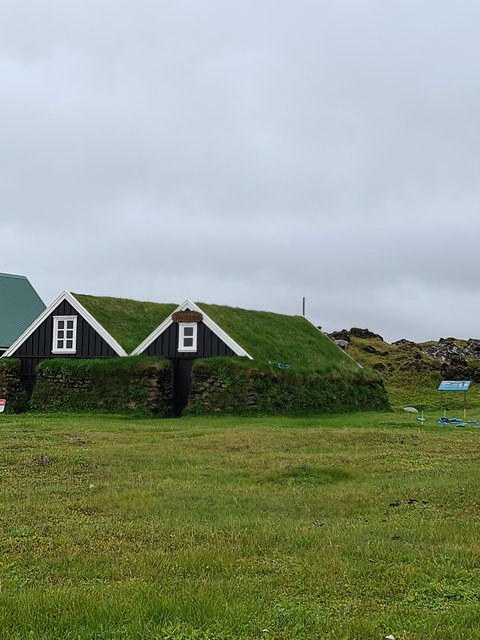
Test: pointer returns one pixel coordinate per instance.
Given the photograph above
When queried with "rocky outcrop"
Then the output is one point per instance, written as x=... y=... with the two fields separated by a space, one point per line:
x=364 y=333
x=456 y=359
x=405 y=343
x=458 y=369
x=472 y=350
x=445 y=349
x=453 y=359
x=342 y=338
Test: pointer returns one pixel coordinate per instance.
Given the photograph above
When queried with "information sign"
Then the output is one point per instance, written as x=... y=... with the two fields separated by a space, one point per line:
x=455 y=385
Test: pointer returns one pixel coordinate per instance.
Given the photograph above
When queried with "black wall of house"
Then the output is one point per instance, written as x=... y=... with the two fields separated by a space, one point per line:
x=208 y=344
x=38 y=346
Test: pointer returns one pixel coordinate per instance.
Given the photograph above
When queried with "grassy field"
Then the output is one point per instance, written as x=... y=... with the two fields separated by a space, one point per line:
x=346 y=527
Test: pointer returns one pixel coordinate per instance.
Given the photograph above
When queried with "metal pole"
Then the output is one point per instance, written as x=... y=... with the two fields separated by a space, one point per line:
x=303 y=306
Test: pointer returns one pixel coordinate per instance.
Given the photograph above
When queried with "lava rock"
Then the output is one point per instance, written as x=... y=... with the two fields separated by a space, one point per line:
x=406 y=343
x=472 y=350
x=445 y=349
x=364 y=333
x=340 y=335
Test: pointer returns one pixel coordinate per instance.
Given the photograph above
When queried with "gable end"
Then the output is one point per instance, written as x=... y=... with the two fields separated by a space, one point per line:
x=91 y=338
x=211 y=339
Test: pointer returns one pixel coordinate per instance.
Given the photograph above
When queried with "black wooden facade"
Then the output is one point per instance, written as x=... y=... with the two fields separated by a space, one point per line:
x=166 y=346
x=208 y=344
x=38 y=346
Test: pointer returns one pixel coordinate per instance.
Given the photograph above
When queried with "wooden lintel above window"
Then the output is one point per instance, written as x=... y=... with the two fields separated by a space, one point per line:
x=187 y=316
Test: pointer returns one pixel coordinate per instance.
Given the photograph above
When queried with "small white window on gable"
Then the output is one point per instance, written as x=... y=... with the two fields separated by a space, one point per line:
x=187 y=336
x=64 y=334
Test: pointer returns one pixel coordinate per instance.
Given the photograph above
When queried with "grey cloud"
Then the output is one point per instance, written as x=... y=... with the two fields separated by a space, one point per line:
x=316 y=148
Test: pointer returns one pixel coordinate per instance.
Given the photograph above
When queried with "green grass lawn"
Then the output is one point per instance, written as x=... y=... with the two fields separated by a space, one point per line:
x=346 y=527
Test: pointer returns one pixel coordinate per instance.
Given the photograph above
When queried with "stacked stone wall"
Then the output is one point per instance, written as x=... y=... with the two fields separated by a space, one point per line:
x=229 y=387
x=122 y=385
x=11 y=387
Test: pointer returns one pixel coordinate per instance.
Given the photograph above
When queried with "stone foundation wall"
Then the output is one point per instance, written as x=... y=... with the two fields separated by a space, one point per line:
x=11 y=387
x=229 y=387
x=122 y=385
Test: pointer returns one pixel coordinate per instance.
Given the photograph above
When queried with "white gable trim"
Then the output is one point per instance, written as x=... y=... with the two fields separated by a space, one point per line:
x=213 y=326
x=80 y=309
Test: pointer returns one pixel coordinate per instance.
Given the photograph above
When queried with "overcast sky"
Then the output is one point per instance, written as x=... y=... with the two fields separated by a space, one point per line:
x=248 y=153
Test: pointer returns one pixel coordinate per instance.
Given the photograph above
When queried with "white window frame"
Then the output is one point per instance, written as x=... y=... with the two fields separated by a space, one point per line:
x=56 y=320
x=181 y=336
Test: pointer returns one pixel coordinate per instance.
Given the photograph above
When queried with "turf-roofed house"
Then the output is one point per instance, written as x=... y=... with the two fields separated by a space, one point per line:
x=20 y=304
x=75 y=327
x=220 y=359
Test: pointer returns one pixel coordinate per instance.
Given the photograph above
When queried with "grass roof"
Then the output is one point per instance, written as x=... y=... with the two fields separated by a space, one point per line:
x=276 y=337
x=128 y=321
x=266 y=336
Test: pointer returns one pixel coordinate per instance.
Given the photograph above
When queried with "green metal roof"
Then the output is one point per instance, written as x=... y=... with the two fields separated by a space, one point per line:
x=20 y=304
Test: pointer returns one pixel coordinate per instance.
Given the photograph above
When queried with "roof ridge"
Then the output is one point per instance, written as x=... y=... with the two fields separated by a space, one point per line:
x=94 y=295
x=13 y=275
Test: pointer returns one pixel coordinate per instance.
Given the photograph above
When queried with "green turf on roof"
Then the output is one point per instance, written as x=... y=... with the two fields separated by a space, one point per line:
x=264 y=335
x=274 y=337
x=128 y=321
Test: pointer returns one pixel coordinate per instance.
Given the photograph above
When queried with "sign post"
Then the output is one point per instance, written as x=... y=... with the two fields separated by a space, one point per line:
x=455 y=385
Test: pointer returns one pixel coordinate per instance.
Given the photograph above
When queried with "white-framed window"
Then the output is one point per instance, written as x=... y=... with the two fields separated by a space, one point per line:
x=64 y=334
x=187 y=336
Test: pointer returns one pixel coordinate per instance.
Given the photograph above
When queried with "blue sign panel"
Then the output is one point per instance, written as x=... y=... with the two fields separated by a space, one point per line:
x=455 y=385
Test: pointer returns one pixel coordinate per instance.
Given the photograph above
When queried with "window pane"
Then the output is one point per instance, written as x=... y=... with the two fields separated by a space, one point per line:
x=60 y=335
x=59 y=344
x=69 y=334
x=61 y=324
x=69 y=324
x=69 y=344
x=188 y=331
x=188 y=342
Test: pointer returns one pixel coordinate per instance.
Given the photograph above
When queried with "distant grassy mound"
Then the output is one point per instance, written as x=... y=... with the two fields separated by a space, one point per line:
x=410 y=376
x=410 y=373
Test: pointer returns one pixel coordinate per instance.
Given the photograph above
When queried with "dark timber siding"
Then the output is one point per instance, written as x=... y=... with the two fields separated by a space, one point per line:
x=38 y=346
x=208 y=344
